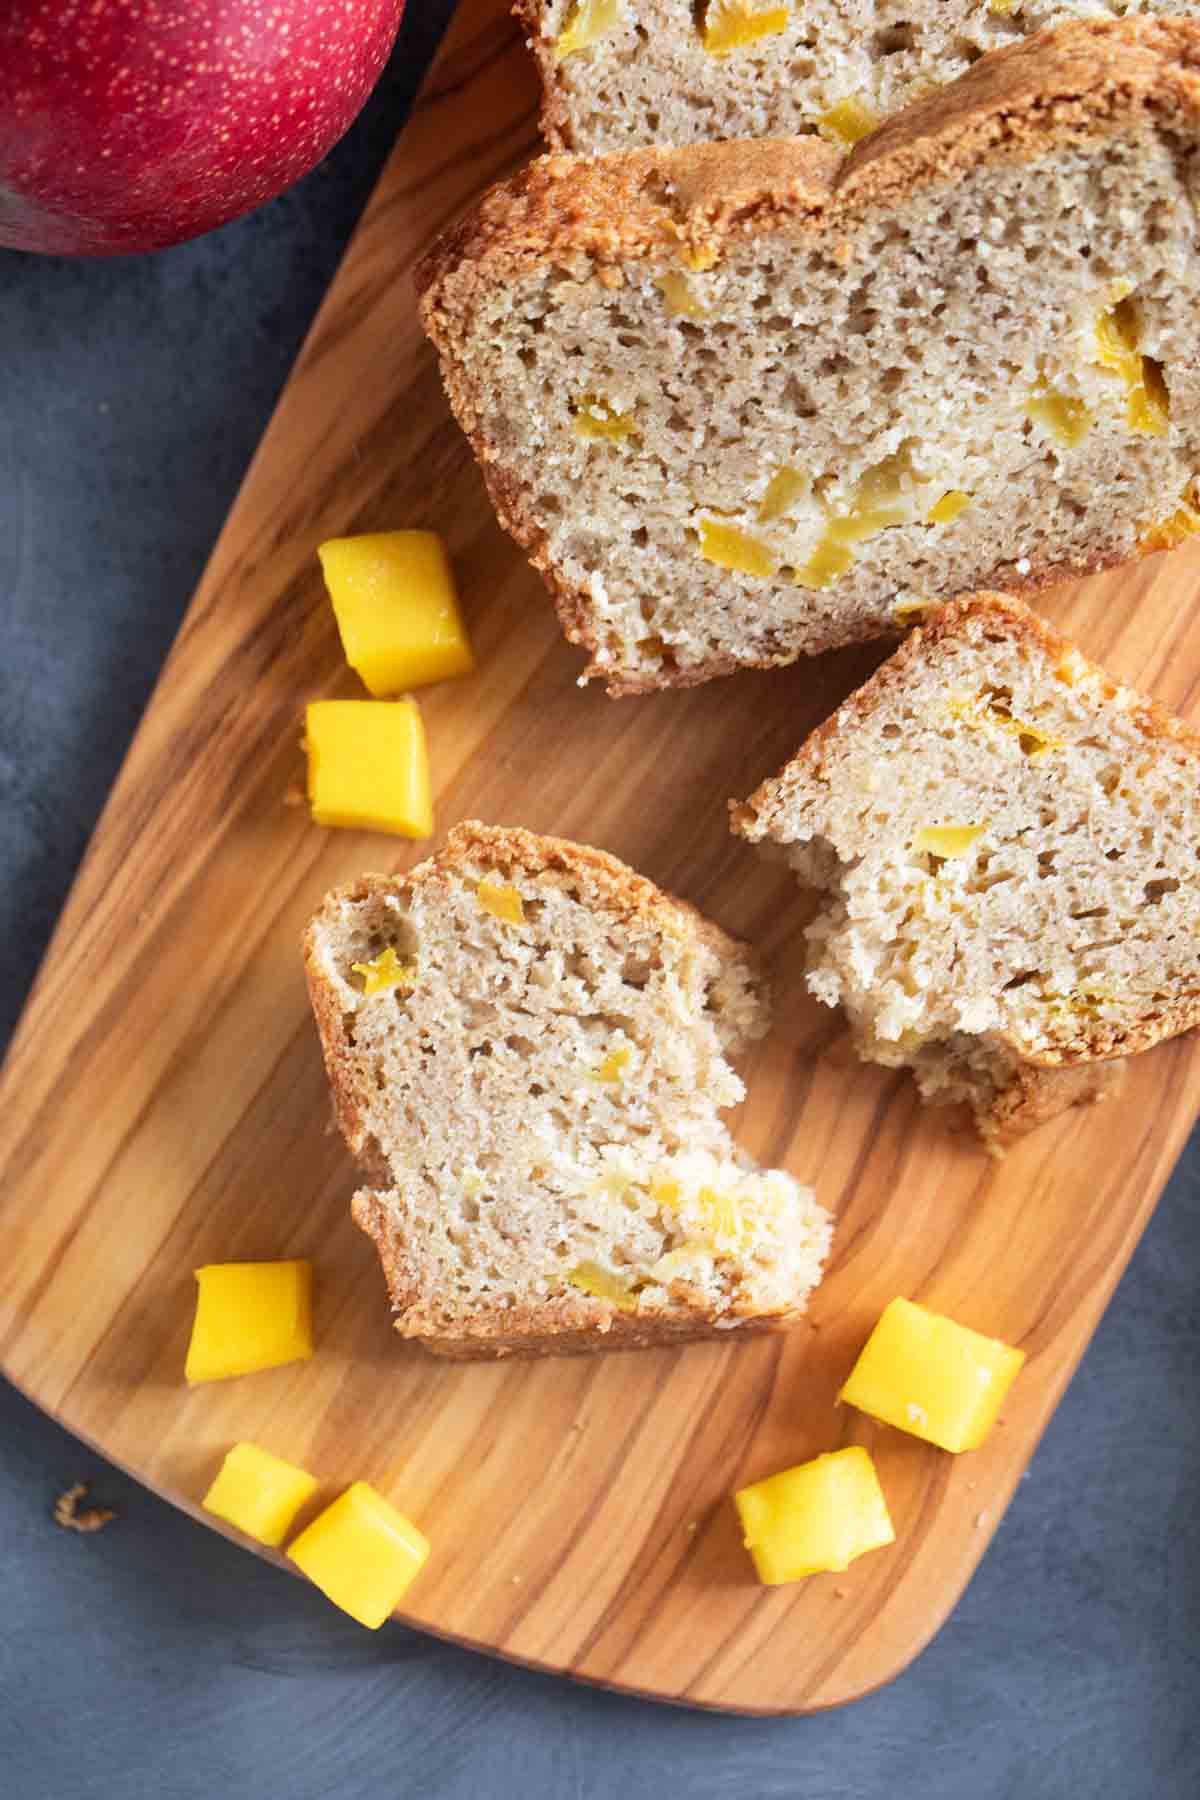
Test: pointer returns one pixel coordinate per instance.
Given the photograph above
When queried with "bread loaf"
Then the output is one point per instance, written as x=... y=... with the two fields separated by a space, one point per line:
x=527 y=1045
x=744 y=402
x=1006 y=843
x=618 y=74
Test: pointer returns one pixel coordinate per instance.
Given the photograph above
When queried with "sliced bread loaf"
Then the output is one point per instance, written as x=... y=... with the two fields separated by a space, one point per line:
x=1007 y=842
x=743 y=402
x=527 y=1045
x=618 y=74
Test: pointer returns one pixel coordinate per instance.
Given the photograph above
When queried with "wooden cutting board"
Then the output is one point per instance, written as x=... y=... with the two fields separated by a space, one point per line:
x=164 y=1104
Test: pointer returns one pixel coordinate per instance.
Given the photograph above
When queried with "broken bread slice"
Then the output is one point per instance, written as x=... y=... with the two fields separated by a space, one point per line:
x=1006 y=842
x=527 y=1045
x=742 y=402
x=617 y=74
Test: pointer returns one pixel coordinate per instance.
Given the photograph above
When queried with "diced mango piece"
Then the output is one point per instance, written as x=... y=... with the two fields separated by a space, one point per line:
x=613 y=1068
x=665 y=1192
x=732 y=548
x=681 y=302
x=1165 y=536
x=396 y=609
x=947 y=840
x=501 y=901
x=259 y=1493
x=250 y=1316
x=384 y=972
x=362 y=1554
x=368 y=768
x=1002 y=8
x=1147 y=405
x=595 y=418
x=827 y=564
x=926 y=1375
x=587 y=22
x=602 y=1284
x=1061 y=416
x=821 y=1515
x=701 y=257
x=948 y=508
x=730 y=25
x=785 y=487
x=847 y=122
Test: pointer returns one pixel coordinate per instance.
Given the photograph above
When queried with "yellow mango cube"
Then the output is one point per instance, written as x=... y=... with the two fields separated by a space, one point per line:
x=926 y=1375
x=847 y=122
x=396 y=609
x=821 y=1515
x=259 y=1493
x=250 y=1316
x=947 y=841
x=362 y=1554
x=368 y=768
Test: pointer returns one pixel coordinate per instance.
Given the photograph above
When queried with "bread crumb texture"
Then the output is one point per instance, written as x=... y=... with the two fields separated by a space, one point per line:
x=742 y=402
x=618 y=74
x=538 y=1104
x=1006 y=840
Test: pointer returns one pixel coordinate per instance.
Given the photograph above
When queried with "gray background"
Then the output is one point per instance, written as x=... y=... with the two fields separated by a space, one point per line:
x=156 y=1657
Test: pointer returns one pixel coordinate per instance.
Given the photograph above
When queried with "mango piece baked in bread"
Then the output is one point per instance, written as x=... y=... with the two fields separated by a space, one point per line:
x=528 y=1048
x=1005 y=841
x=619 y=74
x=745 y=402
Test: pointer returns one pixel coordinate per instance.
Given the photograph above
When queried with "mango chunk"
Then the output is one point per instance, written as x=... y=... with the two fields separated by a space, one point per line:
x=587 y=22
x=259 y=1493
x=785 y=487
x=946 y=840
x=612 y=1069
x=368 y=767
x=680 y=300
x=821 y=1515
x=730 y=25
x=502 y=902
x=385 y=972
x=926 y=1375
x=948 y=508
x=1061 y=416
x=1147 y=406
x=250 y=1316
x=362 y=1554
x=1169 y=532
x=595 y=418
x=396 y=609
x=827 y=564
x=847 y=122
x=732 y=548
x=602 y=1284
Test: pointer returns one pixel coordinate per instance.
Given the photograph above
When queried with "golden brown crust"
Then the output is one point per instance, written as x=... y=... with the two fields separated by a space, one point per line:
x=570 y=1325
x=554 y=118
x=1036 y=1095
x=1073 y=84
x=1070 y=84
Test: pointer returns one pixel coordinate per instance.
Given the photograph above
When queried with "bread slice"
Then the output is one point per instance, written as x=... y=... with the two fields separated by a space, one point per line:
x=1006 y=843
x=619 y=74
x=744 y=402
x=536 y=1094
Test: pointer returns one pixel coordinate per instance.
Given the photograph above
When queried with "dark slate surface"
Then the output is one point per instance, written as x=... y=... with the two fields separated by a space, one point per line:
x=157 y=1658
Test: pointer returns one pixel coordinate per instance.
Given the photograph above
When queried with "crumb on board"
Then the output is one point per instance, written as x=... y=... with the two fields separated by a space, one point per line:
x=68 y=1515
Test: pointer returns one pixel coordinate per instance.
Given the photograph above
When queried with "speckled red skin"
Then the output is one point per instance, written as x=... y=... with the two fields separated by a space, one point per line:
x=129 y=124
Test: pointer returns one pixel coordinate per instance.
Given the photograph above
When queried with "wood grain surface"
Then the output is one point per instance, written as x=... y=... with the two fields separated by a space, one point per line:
x=164 y=1104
